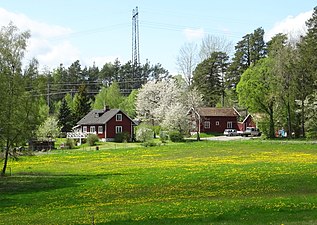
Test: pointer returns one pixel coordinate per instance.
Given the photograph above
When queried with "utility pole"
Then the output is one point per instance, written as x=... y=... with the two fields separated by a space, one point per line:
x=48 y=99
x=48 y=96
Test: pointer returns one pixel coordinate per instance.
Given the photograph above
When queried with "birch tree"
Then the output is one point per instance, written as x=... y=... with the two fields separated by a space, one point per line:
x=187 y=61
x=16 y=115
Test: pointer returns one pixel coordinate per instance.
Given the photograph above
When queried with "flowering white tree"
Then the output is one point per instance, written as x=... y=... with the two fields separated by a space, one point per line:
x=48 y=129
x=144 y=134
x=170 y=95
x=154 y=99
x=167 y=103
x=147 y=101
x=176 y=118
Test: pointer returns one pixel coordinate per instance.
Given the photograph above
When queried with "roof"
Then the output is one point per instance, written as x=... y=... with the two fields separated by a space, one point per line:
x=98 y=116
x=218 y=112
x=245 y=119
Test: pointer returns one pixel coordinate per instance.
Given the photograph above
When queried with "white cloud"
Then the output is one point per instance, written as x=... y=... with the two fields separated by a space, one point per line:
x=293 y=26
x=194 y=34
x=50 y=44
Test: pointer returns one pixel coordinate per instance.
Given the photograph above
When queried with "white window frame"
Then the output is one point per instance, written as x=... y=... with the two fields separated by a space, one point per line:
x=217 y=123
x=118 y=129
x=207 y=124
x=229 y=124
x=119 y=117
x=100 y=129
x=92 y=129
x=84 y=129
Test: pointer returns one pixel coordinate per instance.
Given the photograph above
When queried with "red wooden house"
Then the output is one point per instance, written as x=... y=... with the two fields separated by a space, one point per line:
x=217 y=119
x=106 y=123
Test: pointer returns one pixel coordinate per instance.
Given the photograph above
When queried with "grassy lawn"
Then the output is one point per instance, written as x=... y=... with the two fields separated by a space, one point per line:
x=240 y=182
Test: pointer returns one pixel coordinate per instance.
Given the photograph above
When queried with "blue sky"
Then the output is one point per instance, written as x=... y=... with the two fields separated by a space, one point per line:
x=100 y=30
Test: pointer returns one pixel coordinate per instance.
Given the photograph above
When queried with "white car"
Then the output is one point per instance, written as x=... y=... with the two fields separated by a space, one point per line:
x=230 y=132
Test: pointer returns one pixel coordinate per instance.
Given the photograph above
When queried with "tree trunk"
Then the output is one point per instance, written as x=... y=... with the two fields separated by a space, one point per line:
x=154 y=134
x=197 y=118
x=6 y=157
x=198 y=136
x=271 y=131
x=289 y=121
x=303 y=119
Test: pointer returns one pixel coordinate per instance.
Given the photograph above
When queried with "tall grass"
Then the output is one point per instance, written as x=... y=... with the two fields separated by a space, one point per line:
x=249 y=182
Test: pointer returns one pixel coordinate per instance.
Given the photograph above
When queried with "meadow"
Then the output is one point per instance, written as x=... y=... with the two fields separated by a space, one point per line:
x=207 y=182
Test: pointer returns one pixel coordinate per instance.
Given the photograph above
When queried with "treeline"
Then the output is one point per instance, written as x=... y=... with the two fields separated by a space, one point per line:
x=54 y=85
x=274 y=80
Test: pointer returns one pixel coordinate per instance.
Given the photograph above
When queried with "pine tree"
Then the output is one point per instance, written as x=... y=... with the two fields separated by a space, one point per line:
x=81 y=103
x=65 y=120
x=248 y=51
x=209 y=77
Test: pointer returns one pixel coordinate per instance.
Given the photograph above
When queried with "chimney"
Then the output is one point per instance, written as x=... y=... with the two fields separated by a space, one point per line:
x=106 y=108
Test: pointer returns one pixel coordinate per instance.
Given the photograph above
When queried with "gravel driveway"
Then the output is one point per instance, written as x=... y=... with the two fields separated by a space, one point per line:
x=226 y=138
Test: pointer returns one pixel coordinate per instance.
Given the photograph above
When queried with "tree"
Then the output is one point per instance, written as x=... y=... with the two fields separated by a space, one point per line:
x=49 y=129
x=307 y=65
x=193 y=100
x=128 y=104
x=187 y=61
x=209 y=78
x=154 y=100
x=16 y=104
x=65 y=117
x=81 y=103
x=167 y=103
x=311 y=116
x=149 y=100
x=256 y=90
x=176 y=119
x=108 y=96
x=248 y=51
x=284 y=59
x=212 y=44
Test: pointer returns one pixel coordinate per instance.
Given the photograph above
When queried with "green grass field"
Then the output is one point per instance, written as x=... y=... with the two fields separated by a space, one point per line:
x=240 y=182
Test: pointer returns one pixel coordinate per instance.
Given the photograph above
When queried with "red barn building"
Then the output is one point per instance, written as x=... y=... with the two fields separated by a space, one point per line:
x=216 y=120
x=247 y=122
x=106 y=124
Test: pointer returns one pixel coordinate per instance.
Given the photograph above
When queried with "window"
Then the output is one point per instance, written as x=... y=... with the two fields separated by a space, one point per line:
x=84 y=129
x=92 y=129
x=100 y=129
x=217 y=123
x=229 y=124
x=119 y=117
x=207 y=124
x=118 y=129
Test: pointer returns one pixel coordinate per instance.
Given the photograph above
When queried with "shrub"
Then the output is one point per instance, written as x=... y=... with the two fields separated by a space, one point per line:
x=144 y=134
x=163 y=136
x=70 y=144
x=122 y=137
x=149 y=144
x=311 y=135
x=156 y=130
x=176 y=136
x=92 y=139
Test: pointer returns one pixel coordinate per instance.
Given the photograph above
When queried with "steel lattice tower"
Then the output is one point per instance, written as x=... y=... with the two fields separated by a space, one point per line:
x=135 y=38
